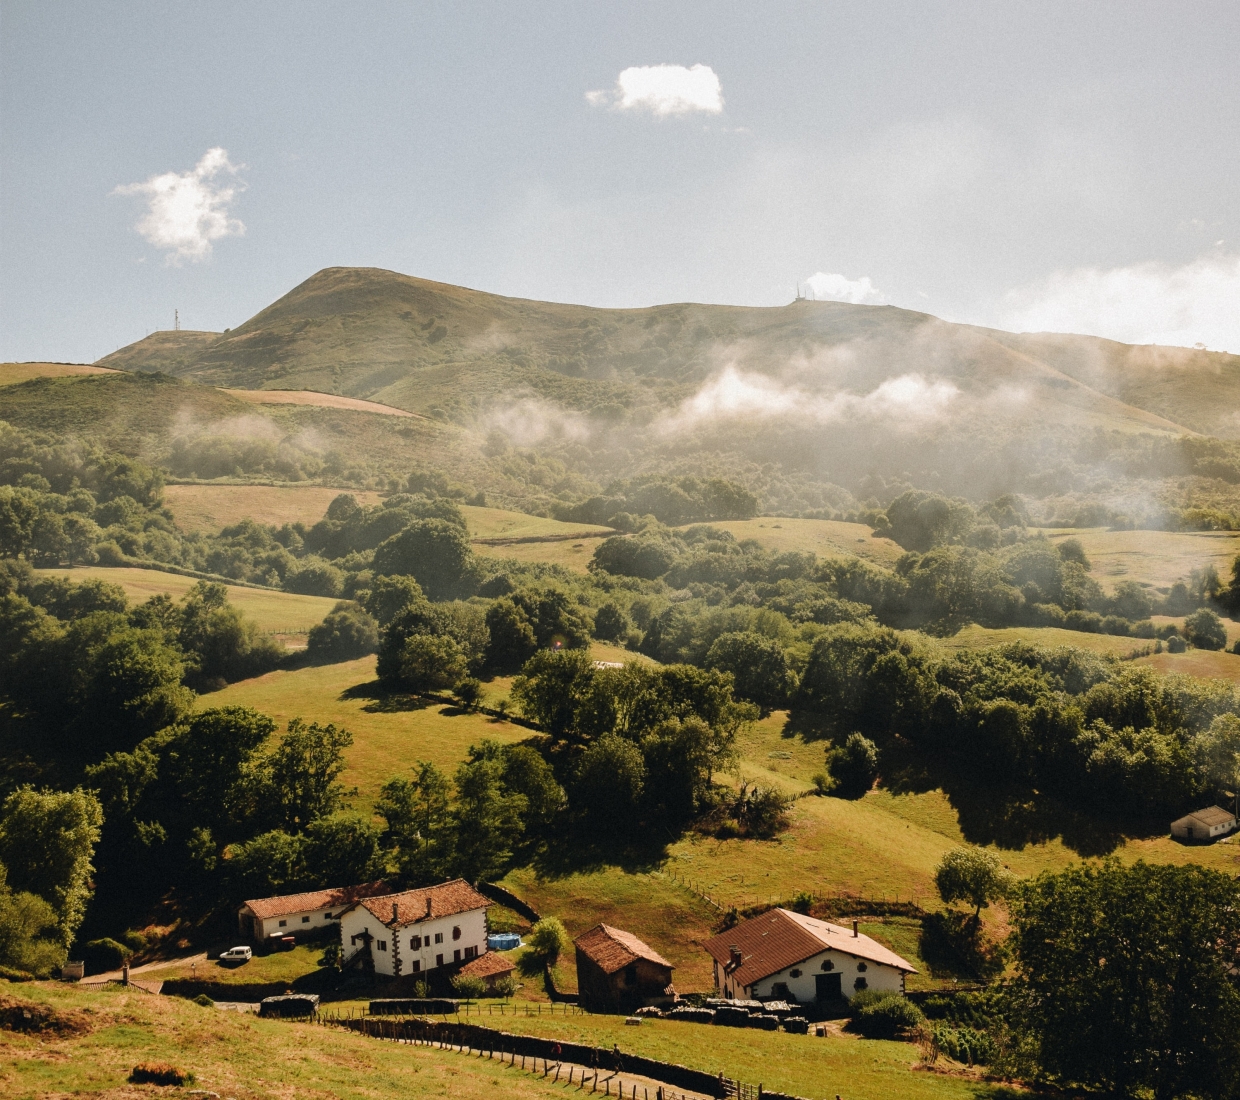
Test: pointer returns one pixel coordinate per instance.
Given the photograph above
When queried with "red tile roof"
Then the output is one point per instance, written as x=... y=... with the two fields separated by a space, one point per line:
x=413 y=906
x=490 y=965
x=780 y=938
x=265 y=908
x=613 y=949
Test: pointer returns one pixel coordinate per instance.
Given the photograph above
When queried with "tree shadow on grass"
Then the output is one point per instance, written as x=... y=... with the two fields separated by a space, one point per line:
x=573 y=851
x=384 y=701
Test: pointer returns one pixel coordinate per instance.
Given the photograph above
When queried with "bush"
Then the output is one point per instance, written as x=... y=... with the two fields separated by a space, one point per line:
x=430 y=662
x=1204 y=629
x=203 y=1000
x=468 y=986
x=469 y=692
x=346 y=633
x=885 y=1016
x=506 y=986
x=105 y=954
x=158 y=1073
x=967 y=1045
x=1176 y=644
x=315 y=578
x=854 y=766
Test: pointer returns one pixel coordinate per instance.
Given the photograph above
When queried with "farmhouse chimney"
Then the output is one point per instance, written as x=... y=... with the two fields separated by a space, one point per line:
x=395 y=913
x=735 y=953
x=854 y=929
x=428 y=907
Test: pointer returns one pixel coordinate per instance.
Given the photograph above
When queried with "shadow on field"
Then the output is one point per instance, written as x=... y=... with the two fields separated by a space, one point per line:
x=384 y=701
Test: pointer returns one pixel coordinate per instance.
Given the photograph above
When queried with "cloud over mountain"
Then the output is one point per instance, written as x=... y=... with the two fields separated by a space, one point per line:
x=663 y=90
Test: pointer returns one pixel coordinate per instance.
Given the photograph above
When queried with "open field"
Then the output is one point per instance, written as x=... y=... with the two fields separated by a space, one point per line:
x=826 y=538
x=981 y=637
x=212 y=507
x=1154 y=558
x=498 y=523
x=12 y=373
x=232 y=1054
x=390 y=735
x=275 y=612
x=1207 y=664
x=320 y=400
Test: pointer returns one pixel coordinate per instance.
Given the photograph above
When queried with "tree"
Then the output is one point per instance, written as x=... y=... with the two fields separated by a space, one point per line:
x=342 y=850
x=972 y=875
x=419 y=820
x=347 y=632
x=30 y=935
x=389 y=596
x=552 y=686
x=853 y=766
x=611 y=623
x=221 y=644
x=608 y=786
x=271 y=863
x=469 y=986
x=921 y=521
x=512 y=640
x=302 y=773
x=1124 y=979
x=47 y=842
x=548 y=940
x=678 y=756
x=758 y=665
x=488 y=818
x=1204 y=629
x=635 y=556
x=431 y=663
x=434 y=552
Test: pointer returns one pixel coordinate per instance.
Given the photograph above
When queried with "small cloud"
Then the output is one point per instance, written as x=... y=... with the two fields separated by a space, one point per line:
x=1148 y=303
x=188 y=211
x=663 y=90
x=838 y=288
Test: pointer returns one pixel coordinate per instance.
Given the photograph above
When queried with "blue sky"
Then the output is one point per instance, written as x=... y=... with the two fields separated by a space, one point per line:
x=1065 y=166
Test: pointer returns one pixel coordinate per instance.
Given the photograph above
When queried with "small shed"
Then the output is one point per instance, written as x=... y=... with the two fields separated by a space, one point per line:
x=490 y=967
x=1204 y=824
x=617 y=972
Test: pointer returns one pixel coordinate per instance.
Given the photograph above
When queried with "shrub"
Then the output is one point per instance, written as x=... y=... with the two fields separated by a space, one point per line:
x=1204 y=629
x=105 y=954
x=430 y=662
x=1176 y=644
x=315 y=577
x=347 y=632
x=203 y=1000
x=506 y=986
x=801 y=902
x=158 y=1073
x=854 y=766
x=469 y=986
x=967 y=1045
x=469 y=692
x=887 y=1016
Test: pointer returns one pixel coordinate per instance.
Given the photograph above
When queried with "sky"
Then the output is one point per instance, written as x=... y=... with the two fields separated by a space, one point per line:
x=1031 y=166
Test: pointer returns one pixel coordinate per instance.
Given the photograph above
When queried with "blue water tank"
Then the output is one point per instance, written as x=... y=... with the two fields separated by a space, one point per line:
x=503 y=941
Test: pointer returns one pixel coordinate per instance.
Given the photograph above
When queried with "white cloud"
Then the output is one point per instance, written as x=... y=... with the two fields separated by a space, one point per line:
x=1149 y=303
x=663 y=90
x=831 y=287
x=732 y=394
x=187 y=211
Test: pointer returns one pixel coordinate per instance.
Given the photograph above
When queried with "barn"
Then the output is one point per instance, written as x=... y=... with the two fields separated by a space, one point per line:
x=1204 y=824
x=617 y=972
x=787 y=956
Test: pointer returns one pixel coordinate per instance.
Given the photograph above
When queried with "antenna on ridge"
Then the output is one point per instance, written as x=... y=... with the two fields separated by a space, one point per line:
x=176 y=320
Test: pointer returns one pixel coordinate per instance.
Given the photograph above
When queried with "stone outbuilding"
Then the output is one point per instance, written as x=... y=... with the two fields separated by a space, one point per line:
x=787 y=956
x=617 y=972
x=300 y=914
x=491 y=968
x=1208 y=824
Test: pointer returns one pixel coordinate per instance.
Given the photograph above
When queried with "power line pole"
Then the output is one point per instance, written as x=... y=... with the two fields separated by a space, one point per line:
x=176 y=320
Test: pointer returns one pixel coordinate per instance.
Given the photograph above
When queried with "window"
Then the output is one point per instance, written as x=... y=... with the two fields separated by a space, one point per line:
x=794 y=973
x=439 y=960
x=860 y=984
x=327 y=916
x=381 y=945
x=305 y=920
x=827 y=964
x=862 y=968
x=780 y=990
x=456 y=933
x=471 y=952
x=439 y=937
x=283 y=923
x=417 y=966
x=416 y=943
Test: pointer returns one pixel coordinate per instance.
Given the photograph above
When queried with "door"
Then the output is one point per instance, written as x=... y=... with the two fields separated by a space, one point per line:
x=827 y=987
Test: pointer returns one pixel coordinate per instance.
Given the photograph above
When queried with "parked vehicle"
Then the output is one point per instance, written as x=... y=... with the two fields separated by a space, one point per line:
x=237 y=954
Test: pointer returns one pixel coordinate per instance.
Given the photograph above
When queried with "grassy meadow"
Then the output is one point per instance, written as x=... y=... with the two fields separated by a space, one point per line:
x=824 y=537
x=212 y=507
x=275 y=612
x=982 y=637
x=1154 y=558
x=13 y=373
x=499 y=523
x=320 y=400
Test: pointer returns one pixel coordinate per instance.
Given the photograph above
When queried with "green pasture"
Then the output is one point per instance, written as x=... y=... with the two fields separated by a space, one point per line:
x=499 y=523
x=213 y=507
x=824 y=537
x=274 y=612
x=1154 y=558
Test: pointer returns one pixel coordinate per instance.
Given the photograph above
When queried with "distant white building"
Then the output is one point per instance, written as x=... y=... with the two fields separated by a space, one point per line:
x=299 y=914
x=1204 y=824
x=783 y=955
x=417 y=930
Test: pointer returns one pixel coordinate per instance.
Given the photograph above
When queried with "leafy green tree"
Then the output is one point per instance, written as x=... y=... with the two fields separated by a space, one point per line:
x=512 y=641
x=468 y=986
x=434 y=552
x=611 y=623
x=853 y=766
x=1124 y=979
x=47 y=843
x=678 y=757
x=527 y=773
x=609 y=783
x=1204 y=629
x=920 y=521
x=759 y=668
x=431 y=663
x=972 y=875
x=342 y=851
x=221 y=644
x=418 y=813
x=314 y=577
x=389 y=596
x=31 y=940
x=547 y=941
x=635 y=556
x=552 y=687
x=488 y=818
x=1073 y=550
x=347 y=632
x=301 y=777
x=271 y=863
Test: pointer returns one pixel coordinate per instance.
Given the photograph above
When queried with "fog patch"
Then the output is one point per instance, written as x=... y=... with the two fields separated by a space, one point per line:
x=528 y=420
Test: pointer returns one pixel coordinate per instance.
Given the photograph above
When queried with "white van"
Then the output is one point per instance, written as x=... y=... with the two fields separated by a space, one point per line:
x=237 y=954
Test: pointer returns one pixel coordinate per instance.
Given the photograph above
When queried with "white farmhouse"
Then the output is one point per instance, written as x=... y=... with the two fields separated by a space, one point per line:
x=1204 y=824
x=783 y=955
x=299 y=914
x=417 y=930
